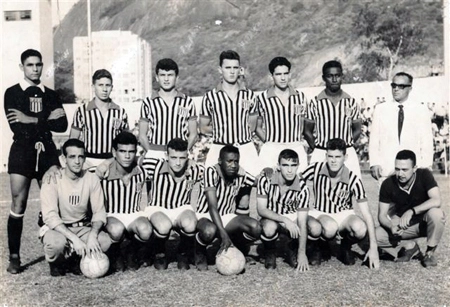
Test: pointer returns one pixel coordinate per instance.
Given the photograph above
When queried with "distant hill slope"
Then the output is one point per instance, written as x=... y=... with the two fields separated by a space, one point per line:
x=307 y=32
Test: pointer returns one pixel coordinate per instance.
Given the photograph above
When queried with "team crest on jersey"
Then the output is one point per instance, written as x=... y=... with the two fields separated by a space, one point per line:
x=246 y=104
x=190 y=184
x=139 y=187
x=184 y=112
x=299 y=109
x=36 y=104
x=348 y=112
x=116 y=123
x=342 y=194
x=74 y=200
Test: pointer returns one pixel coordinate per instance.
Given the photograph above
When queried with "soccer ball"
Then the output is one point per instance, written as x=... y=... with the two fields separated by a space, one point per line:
x=230 y=262
x=92 y=267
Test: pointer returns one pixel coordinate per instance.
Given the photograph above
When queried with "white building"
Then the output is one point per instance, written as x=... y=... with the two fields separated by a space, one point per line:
x=124 y=54
x=25 y=25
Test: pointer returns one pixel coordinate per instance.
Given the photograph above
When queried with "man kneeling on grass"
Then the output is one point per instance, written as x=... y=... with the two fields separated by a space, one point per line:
x=410 y=207
x=333 y=215
x=283 y=202
x=66 y=207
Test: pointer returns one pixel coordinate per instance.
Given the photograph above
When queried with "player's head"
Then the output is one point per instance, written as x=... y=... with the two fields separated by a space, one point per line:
x=288 y=164
x=229 y=160
x=332 y=75
x=177 y=155
x=229 y=66
x=102 y=82
x=280 y=69
x=336 y=154
x=31 y=65
x=405 y=166
x=73 y=155
x=125 y=148
x=401 y=86
x=166 y=74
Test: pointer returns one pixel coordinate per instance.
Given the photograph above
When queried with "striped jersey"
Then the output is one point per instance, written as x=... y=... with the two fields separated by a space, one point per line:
x=166 y=191
x=295 y=198
x=167 y=121
x=283 y=123
x=333 y=121
x=335 y=199
x=123 y=194
x=98 y=132
x=229 y=119
x=226 y=191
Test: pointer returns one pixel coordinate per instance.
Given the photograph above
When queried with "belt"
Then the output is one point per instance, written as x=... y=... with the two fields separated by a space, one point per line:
x=324 y=148
x=78 y=224
x=237 y=144
x=157 y=147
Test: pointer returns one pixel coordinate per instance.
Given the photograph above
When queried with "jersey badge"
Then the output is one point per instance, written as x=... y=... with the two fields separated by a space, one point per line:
x=183 y=112
x=116 y=123
x=36 y=104
x=74 y=200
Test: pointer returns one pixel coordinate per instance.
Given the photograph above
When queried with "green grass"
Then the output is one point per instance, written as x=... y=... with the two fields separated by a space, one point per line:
x=331 y=284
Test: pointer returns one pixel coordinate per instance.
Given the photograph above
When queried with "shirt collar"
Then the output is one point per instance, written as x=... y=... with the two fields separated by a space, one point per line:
x=408 y=190
x=219 y=87
x=345 y=176
x=276 y=180
x=323 y=95
x=111 y=105
x=271 y=92
x=219 y=171
x=115 y=174
x=156 y=95
x=24 y=85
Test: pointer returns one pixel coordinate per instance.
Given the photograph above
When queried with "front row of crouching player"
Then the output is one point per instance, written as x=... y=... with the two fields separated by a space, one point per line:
x=85 y=214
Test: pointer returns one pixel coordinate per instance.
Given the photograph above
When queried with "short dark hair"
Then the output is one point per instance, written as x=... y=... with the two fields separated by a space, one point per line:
x=406 y=155
x=29 y=53
x=288 y=154
x=229 y=55
x=228 y=149
x=72 y=143
x=101 y=73
x=331 y=64
x=166 y=64
x=279 y=61
x=337 y=144
x=124 y=138
x=404 y=74
x=177 y=144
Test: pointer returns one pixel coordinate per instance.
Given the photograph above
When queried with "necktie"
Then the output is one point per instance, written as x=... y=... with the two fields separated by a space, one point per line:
x=401 y=117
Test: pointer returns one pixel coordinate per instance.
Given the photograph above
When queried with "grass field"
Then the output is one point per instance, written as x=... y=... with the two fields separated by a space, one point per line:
x=331 y=284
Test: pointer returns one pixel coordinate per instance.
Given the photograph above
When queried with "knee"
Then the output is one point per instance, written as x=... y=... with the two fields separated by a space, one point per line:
x=54 y=245
x=435 y=215
x=314 y=228
x=188 y=222
x=269 y=228
x=329 y=229
x=255 y=228
x=161 y=223
x=116 y=231
x=359 y=229
x=144 y=230
x=104 y=240
x=207 y=231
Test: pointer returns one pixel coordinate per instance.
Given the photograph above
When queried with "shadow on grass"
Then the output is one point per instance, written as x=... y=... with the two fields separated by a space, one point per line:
x=33 y=262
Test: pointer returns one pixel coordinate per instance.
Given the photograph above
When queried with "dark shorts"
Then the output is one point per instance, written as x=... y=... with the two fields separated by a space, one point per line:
x=22 y=158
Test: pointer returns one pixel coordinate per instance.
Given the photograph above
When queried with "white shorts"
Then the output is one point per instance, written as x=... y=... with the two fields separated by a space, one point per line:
x=156 y=154
x=248 y=157
x=291 y=216
x=352 y=162
x=339 y=217
x=172 y=214
x=127 y=218
x=225 y=218
x=268 y=155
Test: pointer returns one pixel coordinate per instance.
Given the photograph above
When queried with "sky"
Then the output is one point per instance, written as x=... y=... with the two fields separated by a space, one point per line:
x=60 y=8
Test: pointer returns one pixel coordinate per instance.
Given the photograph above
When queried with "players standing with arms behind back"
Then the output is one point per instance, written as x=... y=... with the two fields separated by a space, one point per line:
x=33 y=111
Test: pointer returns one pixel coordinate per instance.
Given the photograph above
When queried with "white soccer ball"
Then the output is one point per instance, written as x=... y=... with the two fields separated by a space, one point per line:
x=231 y=262
x=92 y=267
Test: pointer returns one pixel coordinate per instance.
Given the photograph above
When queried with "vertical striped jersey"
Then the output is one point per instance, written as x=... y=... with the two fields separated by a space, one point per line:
x=296 y=197
x=229 y=119
x=333 y=121
x=283 y=123
x=167 y=191
x=123 y=194
x=167 y=121
x=334 y=199
x=98 y=132
x=226 y=191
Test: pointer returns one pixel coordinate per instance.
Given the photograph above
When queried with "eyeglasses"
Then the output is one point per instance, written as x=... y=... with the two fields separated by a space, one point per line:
x=400 y=86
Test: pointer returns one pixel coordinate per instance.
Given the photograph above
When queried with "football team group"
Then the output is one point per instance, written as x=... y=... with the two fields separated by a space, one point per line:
x=91 y=194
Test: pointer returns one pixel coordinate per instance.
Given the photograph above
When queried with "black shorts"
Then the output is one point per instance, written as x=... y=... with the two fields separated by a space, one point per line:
x=22 y=158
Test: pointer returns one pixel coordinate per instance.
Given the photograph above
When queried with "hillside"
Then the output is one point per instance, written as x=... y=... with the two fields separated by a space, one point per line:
x=307 y=32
